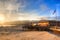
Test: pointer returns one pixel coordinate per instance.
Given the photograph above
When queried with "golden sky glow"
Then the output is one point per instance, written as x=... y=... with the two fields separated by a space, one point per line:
x=2 y=19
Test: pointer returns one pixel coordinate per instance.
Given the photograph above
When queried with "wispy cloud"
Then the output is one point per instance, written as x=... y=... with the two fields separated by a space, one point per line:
x=10 y=8
x=44 y=7
x=14 y=9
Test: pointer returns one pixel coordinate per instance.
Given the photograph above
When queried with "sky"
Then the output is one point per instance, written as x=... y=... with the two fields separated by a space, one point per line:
x=29 y=9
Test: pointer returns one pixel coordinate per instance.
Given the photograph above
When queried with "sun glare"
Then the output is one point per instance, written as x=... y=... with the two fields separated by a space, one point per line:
x=2 y=19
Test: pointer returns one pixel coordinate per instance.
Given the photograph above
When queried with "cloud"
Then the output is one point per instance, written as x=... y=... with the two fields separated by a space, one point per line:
x=11 y=5
x=44 y=7
x=10 y=8
x=32 y=15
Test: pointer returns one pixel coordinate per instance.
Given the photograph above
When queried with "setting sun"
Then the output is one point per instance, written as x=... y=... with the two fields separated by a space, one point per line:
x=2 y=19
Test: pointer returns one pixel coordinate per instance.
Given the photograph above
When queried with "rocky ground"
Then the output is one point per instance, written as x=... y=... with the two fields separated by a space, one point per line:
x=29 y=35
